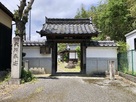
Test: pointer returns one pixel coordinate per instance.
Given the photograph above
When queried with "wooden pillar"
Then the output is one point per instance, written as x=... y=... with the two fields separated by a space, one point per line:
x=83 y=58
x=54 y=58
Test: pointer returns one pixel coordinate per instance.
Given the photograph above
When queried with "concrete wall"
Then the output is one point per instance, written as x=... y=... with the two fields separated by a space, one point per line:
x=33 y=52
x=97 y=59
x=40 y=63
x=101 y=52
x=5 y=19
x=130 y=39
x=37 y=60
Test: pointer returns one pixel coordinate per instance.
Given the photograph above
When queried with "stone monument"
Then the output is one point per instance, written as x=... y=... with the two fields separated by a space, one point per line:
x=16 y=61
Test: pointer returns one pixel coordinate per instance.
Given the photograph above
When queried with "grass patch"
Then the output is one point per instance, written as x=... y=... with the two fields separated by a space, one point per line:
x=26 y=76
x=5 y=77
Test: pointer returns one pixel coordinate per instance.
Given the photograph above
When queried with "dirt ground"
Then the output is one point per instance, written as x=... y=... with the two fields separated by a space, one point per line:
x=70 y=89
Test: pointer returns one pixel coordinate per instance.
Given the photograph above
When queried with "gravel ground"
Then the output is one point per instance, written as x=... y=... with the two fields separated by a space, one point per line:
x=71 y=89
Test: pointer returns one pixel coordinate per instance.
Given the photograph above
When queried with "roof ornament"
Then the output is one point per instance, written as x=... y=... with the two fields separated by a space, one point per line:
x=108 y=38
x=46 y=19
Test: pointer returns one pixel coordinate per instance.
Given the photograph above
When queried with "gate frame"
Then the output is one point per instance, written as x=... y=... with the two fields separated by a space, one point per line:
x=68 y=30
x=54 y=58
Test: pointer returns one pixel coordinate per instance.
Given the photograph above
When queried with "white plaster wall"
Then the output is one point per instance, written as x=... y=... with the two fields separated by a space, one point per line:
x=130 y=40
x=73 y=55
x=101 y=52
x=34 y=52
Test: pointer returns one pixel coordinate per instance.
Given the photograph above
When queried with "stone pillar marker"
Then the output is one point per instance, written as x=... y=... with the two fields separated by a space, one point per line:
x=16 y=61
x=26 y=65
x=112 y=70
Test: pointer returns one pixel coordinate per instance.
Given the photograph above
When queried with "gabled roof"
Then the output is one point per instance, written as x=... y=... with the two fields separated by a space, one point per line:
x=6 y=10
x=68 y=26
x=131 y=33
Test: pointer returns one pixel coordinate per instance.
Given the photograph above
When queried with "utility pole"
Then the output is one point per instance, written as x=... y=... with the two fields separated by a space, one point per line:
x=30 y=26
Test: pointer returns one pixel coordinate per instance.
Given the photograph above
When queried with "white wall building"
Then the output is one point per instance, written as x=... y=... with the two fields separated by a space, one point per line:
x=98 y=55
x=131 y=53
x=131 y=40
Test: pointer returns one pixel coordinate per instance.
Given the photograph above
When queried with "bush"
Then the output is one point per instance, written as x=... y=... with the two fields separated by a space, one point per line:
x=26 y=76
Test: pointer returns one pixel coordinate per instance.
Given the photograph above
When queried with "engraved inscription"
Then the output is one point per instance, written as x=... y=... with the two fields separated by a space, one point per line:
x=15 y=52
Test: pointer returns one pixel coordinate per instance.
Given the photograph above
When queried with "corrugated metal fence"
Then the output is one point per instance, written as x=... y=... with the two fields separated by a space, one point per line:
x=127 y=62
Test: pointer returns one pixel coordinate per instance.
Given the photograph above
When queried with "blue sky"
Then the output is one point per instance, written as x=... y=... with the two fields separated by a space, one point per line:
x=50 y=9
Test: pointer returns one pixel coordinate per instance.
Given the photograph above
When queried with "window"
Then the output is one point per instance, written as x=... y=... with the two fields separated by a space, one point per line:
x=45 y=50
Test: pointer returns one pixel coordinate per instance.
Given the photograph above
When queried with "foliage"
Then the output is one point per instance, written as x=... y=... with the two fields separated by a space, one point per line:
x=66 y=57
x=82 y=13
x=114 y=18
x=122 y=46
x=5 y=77
x=61 y=47
x=78 y=52
x=123 y=62
x=132 y=9
x=26 y=76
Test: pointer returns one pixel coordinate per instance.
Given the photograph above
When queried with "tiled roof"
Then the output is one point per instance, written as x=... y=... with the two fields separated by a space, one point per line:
x=102 y=43
x=91 y=43
x=68 y=26
x=6 y=10
x=33 y=43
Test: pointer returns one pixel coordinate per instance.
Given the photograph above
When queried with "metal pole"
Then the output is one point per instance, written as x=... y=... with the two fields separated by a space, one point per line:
x=132 y=62
x=30 y=26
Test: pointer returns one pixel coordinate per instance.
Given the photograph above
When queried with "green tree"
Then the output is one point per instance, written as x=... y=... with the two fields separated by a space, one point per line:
x=61 y=47
x=21 y=17
x=78 y=52
x=82 y=13
x=113 y=18
x=132 y=9
x=122 y=46
x=115 y=21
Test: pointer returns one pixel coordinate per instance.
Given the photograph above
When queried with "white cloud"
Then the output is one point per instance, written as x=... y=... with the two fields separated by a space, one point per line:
x=51 y=9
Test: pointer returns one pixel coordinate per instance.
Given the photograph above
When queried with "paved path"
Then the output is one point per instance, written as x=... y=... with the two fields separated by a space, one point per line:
x=72 y=89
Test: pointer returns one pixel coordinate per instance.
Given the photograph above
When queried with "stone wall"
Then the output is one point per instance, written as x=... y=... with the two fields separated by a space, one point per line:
x=40 y=63
x=98 y=65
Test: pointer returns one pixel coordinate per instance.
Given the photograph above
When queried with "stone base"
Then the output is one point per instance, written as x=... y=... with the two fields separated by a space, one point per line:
x=70 y=65
x=14 y=81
